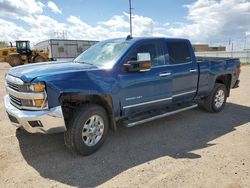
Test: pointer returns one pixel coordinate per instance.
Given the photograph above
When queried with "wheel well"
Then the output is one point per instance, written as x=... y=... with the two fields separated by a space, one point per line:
x=71 y=102
x=226 y=80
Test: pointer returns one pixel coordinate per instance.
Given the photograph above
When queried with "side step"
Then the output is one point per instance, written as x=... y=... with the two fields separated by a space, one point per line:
x=131 y=123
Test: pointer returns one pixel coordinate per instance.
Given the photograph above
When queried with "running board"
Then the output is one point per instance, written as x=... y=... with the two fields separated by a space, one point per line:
x=131 y=124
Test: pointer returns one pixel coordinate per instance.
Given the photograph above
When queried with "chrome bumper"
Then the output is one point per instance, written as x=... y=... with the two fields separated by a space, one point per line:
x=44 y=121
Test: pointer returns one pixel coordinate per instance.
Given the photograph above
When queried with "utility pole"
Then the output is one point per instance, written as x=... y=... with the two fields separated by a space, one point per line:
x=130 y=18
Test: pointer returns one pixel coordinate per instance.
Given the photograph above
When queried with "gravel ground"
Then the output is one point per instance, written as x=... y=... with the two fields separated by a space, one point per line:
x=190 y=149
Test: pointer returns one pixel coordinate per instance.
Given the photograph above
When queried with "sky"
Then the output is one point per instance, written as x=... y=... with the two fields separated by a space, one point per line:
x=216 y=22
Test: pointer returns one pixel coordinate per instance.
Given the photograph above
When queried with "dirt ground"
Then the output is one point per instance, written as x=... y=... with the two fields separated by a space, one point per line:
x=190 y=149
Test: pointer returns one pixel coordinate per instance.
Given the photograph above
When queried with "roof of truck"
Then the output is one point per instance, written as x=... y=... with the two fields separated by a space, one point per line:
x=134 y=39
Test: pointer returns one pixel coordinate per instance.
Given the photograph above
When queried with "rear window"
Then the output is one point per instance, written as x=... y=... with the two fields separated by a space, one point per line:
x=178 y=53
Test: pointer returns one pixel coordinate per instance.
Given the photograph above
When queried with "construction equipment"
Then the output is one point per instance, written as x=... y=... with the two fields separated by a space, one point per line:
x=21 y=54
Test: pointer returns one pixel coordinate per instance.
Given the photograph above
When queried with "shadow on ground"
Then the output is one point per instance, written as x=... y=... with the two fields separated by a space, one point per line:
x=176 y=136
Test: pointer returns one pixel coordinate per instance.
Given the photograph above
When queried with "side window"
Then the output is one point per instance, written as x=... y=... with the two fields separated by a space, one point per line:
x=178 y=53
x=156 y=53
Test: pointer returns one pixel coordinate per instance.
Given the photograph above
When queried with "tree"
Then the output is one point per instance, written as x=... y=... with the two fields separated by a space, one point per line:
x=3 y=43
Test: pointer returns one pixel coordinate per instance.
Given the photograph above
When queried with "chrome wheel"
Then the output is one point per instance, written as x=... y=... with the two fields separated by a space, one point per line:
x=93 y=130
x=219 y=98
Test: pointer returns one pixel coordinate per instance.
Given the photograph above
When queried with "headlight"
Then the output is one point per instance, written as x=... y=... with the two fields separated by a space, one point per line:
x=35 y=103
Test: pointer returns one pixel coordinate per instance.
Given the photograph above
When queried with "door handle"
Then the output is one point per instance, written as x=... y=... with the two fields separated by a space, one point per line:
x=165 y=74
x=193 y=70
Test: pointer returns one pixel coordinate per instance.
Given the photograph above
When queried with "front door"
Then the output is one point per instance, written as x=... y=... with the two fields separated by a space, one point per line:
x=142 y=91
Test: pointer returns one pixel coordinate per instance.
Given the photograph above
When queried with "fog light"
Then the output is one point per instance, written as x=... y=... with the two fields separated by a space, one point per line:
x=35 y=124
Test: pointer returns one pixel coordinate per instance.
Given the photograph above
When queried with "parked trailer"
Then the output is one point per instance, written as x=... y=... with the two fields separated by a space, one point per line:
x=64 y=49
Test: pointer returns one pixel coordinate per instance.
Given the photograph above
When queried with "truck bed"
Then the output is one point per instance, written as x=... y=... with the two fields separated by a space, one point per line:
x=214 y=59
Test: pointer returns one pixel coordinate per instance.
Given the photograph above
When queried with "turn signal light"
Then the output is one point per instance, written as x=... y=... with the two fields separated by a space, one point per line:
x=38 y=87
x=146 y=65
x=39 y=102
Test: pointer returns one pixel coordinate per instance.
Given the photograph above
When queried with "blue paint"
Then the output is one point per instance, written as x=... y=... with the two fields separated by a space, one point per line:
x=130 y=88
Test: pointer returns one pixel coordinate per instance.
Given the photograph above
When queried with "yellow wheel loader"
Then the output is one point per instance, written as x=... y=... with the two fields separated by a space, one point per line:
x=21 y=54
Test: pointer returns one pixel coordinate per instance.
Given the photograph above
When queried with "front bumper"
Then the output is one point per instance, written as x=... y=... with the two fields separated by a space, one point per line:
x=44 y=121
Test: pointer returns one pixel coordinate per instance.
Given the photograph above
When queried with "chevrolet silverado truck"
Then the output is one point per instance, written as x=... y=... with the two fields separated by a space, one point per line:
x=126 y=82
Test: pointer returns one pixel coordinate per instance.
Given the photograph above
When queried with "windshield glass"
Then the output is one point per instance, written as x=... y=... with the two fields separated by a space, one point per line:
x=21 y=45
x=103 y=54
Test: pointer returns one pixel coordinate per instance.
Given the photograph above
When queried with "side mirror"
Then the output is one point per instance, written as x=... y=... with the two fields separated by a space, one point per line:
x=142 y=64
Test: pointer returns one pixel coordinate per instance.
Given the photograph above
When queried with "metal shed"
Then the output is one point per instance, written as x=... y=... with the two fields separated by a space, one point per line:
x=64 y=49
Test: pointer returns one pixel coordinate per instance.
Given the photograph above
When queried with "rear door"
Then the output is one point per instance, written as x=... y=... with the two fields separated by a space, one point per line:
x=184 y=70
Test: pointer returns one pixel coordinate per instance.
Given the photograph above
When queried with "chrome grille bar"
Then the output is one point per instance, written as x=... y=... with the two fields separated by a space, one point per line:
x=12 y=86
x=24 y=95
x=16 y=100
x=14 y=80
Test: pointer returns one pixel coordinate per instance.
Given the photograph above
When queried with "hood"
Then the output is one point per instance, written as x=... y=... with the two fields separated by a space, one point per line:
x=29 y=72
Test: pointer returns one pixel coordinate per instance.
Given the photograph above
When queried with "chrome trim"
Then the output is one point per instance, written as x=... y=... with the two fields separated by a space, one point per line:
x=159 y=66
x=161 y=116
x=25 y=95
x=52 y=120
x=33 y=108
x=167 y=65
x=14 y=80
x=193 y=70
x=180 y=94
x=145 y=103
x=145 y=70
x=178 y=64
x=165 y=74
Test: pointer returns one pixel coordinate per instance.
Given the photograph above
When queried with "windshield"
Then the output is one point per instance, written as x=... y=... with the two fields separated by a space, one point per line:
x=103 y=54
x=21 y=45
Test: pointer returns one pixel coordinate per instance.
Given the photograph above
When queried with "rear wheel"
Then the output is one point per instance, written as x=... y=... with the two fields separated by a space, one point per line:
x=15 y=60
x=39 y=58
x=217 y=99
x=87 y=129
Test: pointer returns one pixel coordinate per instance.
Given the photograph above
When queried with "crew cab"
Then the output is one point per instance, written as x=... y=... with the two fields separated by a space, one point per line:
x=118 y=81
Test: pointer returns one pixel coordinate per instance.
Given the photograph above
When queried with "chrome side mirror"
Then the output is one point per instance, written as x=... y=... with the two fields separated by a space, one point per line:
x=142 y=64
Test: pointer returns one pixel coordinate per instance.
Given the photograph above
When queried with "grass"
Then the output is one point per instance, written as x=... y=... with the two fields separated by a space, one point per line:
x=245 y=63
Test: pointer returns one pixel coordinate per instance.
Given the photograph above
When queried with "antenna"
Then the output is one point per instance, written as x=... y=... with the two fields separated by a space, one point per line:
x=130 y=18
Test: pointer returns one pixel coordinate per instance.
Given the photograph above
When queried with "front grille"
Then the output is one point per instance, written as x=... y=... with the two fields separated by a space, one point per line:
x=13 y=86
x=17 y=90
x=15 y=101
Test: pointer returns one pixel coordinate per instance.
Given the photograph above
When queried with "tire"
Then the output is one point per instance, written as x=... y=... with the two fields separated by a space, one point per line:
x=216 y=100
x=39 y=58
x=15 y=60
x=80 y=131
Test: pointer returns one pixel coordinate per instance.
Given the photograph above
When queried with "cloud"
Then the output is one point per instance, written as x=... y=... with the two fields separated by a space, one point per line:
x=8 y=36
x=215 y=20
x=142 y=26
x=208 y=21
x=54 y=7
x=116 y=22
x=20 y=8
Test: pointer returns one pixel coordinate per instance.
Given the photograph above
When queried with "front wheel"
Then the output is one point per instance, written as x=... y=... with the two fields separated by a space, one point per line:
x=217 y=98
x=15 y=60
x=39 y=59
x=87 y=129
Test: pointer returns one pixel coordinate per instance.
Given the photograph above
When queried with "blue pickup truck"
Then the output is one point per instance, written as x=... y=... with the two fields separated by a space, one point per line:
x=118 y=81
